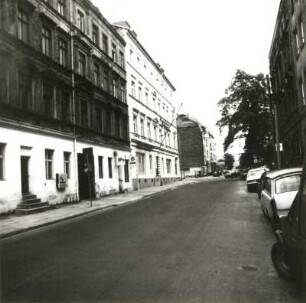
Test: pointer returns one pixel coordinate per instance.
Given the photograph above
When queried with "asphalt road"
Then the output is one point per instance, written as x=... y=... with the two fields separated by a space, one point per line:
x=205 y=242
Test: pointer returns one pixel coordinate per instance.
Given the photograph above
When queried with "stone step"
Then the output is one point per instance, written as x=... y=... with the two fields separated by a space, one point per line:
x=28 y=211
x=31 y=201
x=32 y=205
x=28 y=197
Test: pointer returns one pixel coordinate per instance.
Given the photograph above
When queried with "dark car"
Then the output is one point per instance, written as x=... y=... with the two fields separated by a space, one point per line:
x=289 y=252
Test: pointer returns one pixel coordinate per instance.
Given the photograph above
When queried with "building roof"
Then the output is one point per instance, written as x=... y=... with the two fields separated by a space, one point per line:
x=125 y=25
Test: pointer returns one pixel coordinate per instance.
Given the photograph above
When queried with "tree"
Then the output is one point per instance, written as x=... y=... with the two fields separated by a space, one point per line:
x=246 y=113
x=229 y=161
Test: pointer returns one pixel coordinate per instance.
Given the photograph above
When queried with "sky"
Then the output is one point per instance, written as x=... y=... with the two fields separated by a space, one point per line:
x=200 y=44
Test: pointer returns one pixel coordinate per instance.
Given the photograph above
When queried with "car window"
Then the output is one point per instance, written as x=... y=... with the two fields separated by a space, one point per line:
x=286 y=184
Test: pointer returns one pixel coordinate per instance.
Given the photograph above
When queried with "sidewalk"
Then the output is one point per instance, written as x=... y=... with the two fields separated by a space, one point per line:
x=14 y=224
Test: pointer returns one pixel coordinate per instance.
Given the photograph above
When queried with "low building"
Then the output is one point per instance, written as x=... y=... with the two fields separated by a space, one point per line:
x=63 y=109
x=152 y=115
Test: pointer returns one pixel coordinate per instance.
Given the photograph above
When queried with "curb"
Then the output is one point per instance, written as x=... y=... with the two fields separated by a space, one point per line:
x=81 y=214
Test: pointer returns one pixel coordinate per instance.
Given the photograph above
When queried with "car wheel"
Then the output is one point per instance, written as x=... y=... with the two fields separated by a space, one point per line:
x=280 y=262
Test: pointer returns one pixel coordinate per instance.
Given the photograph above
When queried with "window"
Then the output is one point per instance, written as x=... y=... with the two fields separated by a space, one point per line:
x=147 y=98
x=95 y=34
x=23 y=26
x=63 y=52
x=105 y=43
x=82 y=64
x=61 y=7
x=108 y=122
x=84 y=114
x=297 y=44
x=302 y=90
x=287 y=184
x=115 y=88
x=135 y=126
x=110 y=168
x=100 y=160
x=175 y=165
x=140 y=158
x=121 y=58
x=174 y=140
x=67 y=164
x=48 y=99
x=46 y=41
x=49 y=163
x=142 y=127
x=168 y=164
x=99 y=119
x=105 y=80
x=155 y=133
x=24 y=90
x=65 y=105
x=302 y=35
x=133 y=88
x=126 y=171
x=151 y=162
x=96 y=74
x=153 y=101
x=114 y=53
x=149 y=129
x=140 y=93
x=2 y=154
x=3 y=82
x=80 y=20
x=123 y=93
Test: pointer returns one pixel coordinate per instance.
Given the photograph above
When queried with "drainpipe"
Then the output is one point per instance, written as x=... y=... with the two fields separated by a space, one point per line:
x=73 y=99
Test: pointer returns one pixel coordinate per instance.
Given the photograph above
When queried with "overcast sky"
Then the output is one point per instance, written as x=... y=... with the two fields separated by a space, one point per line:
x=200 y=44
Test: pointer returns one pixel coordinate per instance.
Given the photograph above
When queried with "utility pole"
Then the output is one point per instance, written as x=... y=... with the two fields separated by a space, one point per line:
x=272 y=97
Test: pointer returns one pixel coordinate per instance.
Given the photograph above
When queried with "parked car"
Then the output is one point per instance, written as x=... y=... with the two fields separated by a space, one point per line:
x=253 y=178
x=289 y=252
x=217 y=173
x=279 y=189
x=243 y=172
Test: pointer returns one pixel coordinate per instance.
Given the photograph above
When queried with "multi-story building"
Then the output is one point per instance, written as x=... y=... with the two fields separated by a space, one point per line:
x=63 y=109
x=197 y=148
x=287 y=68
x=152 y=115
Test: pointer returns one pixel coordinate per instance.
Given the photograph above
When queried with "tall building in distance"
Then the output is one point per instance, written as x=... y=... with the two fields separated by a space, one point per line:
x=63 y=107
x=288 y=78
x=197 y=147
x=152 y=115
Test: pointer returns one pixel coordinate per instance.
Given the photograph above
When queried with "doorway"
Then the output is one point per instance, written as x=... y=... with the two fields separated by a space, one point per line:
x=24 y=174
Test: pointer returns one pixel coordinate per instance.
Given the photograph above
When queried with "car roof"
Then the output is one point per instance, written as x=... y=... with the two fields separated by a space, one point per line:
x=277 y=173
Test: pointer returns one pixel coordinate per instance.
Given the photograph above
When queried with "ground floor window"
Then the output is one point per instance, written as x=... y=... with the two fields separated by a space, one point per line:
x=110 y=168
x=67 y=164
x=168 y=164
x=140 y=158
x=49 y=163
x=126 y=171
x=100 y=160
x=2 y=151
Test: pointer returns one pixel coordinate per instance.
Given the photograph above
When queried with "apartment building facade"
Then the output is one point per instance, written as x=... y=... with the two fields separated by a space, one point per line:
x=152 y=116
x=197 y=147
x=63 y=109
x=288 y=78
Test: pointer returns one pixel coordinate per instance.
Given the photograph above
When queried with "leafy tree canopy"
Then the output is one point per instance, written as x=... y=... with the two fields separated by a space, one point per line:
x=246 y=114
x=229 y=161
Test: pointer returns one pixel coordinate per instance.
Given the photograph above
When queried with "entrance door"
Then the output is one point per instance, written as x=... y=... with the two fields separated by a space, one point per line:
x=24 y=175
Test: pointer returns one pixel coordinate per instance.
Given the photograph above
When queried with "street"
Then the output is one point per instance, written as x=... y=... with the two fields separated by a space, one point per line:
x=204 y=242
